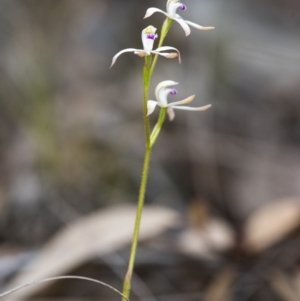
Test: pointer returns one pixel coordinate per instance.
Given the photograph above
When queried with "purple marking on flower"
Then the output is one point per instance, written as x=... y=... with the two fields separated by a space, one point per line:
x=183 y=6
x=152 y=36
x=173 y=92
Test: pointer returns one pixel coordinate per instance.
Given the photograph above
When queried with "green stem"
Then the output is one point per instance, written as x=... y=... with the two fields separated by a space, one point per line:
x=148 y=148
x=147 y=78
x=127 y=280
x=148 y=69
x=164 y=31
x=156 y=131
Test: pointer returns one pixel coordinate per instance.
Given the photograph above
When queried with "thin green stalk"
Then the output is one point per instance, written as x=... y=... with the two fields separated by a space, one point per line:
x=148 y=69
x=156 y=131
x=164 y=31
x=147 y=78
x=127 y=280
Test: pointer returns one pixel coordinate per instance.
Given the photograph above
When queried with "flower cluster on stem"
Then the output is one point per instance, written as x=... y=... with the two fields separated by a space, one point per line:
x=162 y=91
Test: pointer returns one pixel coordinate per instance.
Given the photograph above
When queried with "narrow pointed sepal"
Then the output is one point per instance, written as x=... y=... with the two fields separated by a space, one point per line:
x=150 y=11
x=171 y=113
x=204 y=108
x=182 y=102
x=184 y=25
x=168 y=55
x=166 y=48
x=151 y=105
x=121 y=52
x=197 y=26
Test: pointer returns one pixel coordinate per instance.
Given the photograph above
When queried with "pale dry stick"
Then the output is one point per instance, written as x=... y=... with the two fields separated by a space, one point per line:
x=60 y=278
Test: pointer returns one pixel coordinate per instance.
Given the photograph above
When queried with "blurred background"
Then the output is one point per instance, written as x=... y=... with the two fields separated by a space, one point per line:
x=222 y=216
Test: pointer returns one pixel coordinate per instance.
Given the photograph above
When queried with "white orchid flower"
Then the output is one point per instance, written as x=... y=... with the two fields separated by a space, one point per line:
x=148 y=37
x=172 y=6
x=161 y=93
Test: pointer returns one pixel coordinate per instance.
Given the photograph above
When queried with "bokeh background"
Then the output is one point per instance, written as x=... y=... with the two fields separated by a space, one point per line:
x=71 y=144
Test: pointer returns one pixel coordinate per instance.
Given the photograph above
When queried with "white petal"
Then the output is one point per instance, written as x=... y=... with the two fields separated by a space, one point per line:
x=182 y=102
x=204 y=108
x=184 y=25
x=164 y=48
x=151 y=105
x=150 y=11
x=199 y=26
x=162 y=85
x=119 y=53
x=171 y=113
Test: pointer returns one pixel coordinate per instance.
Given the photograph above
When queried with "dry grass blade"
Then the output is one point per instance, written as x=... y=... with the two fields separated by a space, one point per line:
x=92 y=236
x=61 y=278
